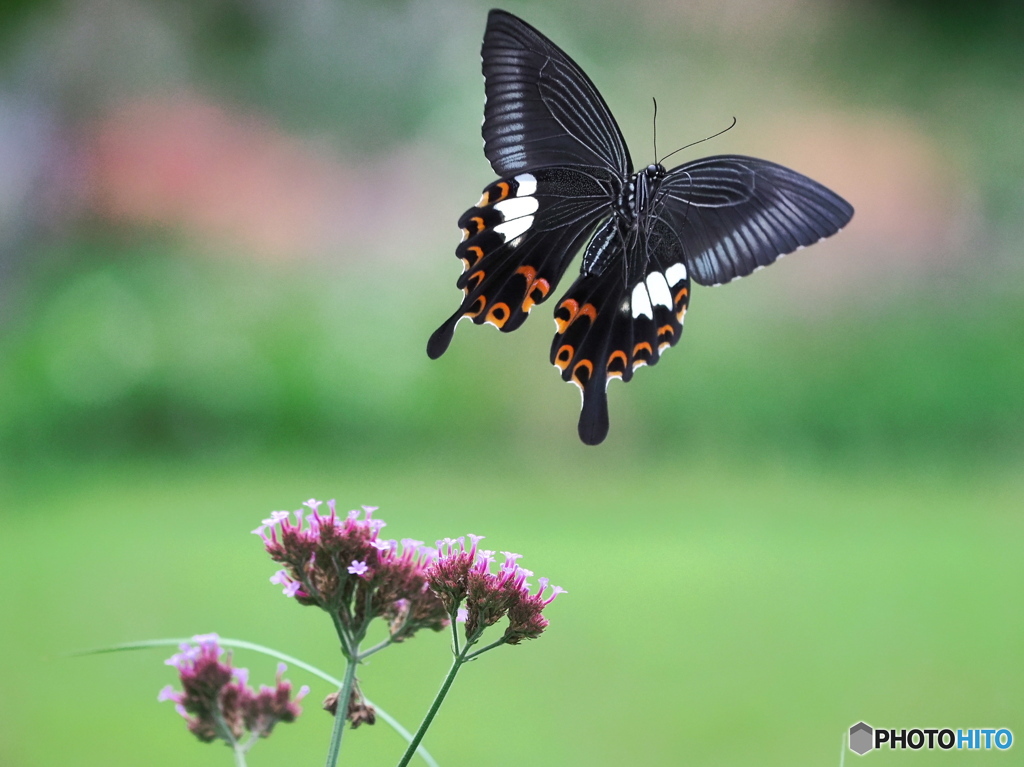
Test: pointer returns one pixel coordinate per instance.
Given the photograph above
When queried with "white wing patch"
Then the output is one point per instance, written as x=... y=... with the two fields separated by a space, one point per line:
x=512 y=229
x=527 y=185
x=675 y=274
x=641 y=302
x=658 y=289
x=516 y=207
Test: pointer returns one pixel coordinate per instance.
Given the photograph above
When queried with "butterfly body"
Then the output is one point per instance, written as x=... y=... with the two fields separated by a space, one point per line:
x=567 y=184
x=628 y=231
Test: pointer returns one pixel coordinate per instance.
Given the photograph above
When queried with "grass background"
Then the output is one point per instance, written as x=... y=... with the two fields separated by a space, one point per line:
x=719 y=613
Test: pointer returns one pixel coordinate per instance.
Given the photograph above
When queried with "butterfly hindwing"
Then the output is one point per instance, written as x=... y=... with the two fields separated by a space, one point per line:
x=736 y=214
x=541 y=108
x=517 y=242
x=608 y=325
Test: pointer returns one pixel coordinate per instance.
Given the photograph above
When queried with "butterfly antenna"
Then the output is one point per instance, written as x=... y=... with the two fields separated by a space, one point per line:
x=714 y=135
x=655 y=125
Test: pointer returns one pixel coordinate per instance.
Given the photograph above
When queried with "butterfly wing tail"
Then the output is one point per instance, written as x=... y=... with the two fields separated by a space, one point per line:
x=442 y=337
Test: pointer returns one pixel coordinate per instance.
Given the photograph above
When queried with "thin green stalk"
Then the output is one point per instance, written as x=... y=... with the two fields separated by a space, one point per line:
x=341 y=711
x=455 y=633
x=482 y=650
x=376 y=648
x=223 y=730
x=456 y=664
x=343 y=637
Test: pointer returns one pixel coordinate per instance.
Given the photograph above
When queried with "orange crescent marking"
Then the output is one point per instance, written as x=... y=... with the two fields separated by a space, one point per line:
x=480 y=223
x=478 y=250
x=666 y=329
x=614 y=356
x=473 y=311
x=559 y=362
x=588 y=310
x=572 y=306
x=583 y=364
x=494 y=319
x=681 y=295
x=505 y=189
x=532 y=284
x=641 y=346
x=540 y=285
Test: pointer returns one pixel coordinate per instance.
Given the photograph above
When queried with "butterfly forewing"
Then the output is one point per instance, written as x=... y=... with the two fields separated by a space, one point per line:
x=735 y=214
x=541 y=108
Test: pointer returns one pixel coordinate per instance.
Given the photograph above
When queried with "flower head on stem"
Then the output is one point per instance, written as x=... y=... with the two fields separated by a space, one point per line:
x=462 y=578
x=216 y=700
x=342 y=565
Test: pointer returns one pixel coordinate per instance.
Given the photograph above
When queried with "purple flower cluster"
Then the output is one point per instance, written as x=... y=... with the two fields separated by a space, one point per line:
x=463 y=574
x=342 y=565
x=216 y=700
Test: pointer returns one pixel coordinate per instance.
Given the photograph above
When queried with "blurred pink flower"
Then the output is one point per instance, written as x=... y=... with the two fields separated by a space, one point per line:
x=237 y=183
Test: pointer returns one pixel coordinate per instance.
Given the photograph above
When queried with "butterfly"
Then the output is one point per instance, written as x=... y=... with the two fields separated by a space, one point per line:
x=567 y=184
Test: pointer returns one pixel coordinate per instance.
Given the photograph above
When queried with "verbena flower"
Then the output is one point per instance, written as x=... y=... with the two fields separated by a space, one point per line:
x=216 y=700
x=343 y=566
x=463 y=580
x=462 y=574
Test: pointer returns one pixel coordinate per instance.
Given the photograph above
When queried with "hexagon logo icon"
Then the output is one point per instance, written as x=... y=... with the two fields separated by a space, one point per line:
x=861 y=738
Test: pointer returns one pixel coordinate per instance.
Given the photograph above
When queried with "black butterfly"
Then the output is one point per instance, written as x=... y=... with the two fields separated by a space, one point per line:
x=567 y=180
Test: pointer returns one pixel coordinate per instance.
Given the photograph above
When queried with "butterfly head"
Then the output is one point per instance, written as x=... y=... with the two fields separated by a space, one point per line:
x=655 y=172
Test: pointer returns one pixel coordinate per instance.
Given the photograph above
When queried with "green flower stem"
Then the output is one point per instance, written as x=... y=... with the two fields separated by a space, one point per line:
x=341 y=711
x=376 y=648
x=343 y=637
x=455 y=631
x=456 y=665
x=224 y=731
x=482 y=650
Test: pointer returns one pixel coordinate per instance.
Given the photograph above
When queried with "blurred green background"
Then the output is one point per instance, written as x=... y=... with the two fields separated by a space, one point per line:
x=226 y=231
